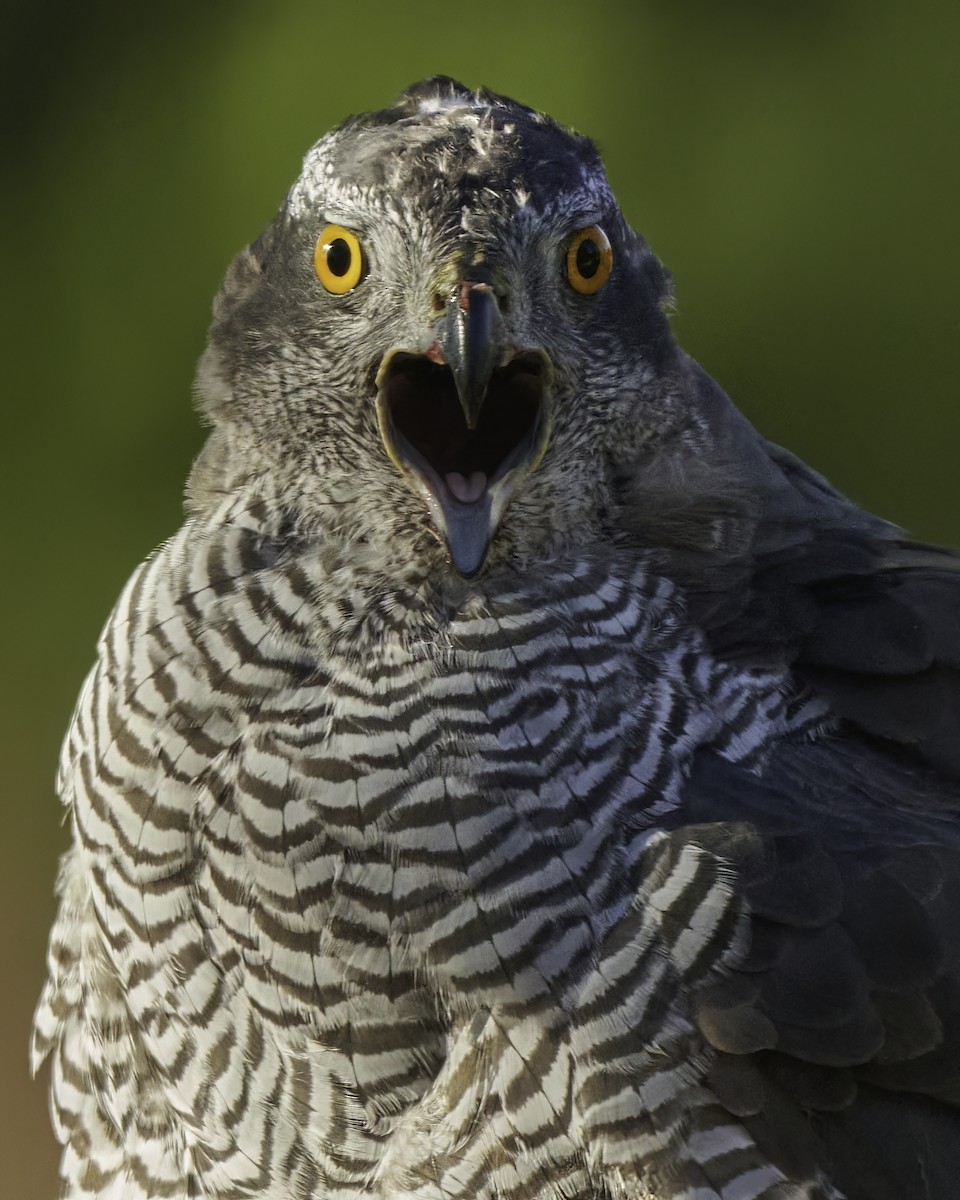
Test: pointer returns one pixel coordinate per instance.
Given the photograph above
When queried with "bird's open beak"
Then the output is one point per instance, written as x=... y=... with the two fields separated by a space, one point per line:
x=466 y=421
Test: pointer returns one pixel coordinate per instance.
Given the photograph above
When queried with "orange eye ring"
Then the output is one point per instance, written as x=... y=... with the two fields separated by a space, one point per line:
x=339 y=260
x=589 y=260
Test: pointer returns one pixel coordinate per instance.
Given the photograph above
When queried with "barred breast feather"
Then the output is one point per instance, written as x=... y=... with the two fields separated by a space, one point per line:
x=339 y=884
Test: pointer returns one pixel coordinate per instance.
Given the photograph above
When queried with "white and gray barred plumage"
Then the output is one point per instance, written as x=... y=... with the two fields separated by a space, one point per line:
x=517 y=780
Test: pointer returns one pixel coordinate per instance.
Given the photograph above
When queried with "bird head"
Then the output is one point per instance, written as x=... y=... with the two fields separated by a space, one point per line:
x=443 y=340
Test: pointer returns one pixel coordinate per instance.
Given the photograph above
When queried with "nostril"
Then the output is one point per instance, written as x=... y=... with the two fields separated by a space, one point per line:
x=438 y=303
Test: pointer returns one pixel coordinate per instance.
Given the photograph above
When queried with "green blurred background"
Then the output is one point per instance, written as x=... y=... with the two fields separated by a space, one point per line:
x=796 y=166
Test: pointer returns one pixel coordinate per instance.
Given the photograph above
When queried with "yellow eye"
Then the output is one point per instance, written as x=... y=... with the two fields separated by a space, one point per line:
x=589 y=260
x=338 y=260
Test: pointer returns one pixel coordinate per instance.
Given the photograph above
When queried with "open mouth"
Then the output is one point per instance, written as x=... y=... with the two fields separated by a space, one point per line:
x=465 y=475
x=430 y=429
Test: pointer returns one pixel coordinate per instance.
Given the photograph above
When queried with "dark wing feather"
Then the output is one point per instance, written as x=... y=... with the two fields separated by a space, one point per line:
x=885 y=649
x=873 y=624
x=838 y=1034
x=778 y=567
x=866 y=618
x=849 y=862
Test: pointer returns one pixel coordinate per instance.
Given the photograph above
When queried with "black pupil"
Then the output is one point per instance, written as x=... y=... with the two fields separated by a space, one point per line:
x=338 y=257
x=588 y=258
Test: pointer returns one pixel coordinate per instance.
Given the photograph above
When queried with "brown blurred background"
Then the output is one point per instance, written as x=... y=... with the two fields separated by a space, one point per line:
x=796 y=166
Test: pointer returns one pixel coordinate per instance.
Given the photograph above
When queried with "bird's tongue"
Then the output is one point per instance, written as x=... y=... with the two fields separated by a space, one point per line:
x=466 y=490
x=465 y=523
